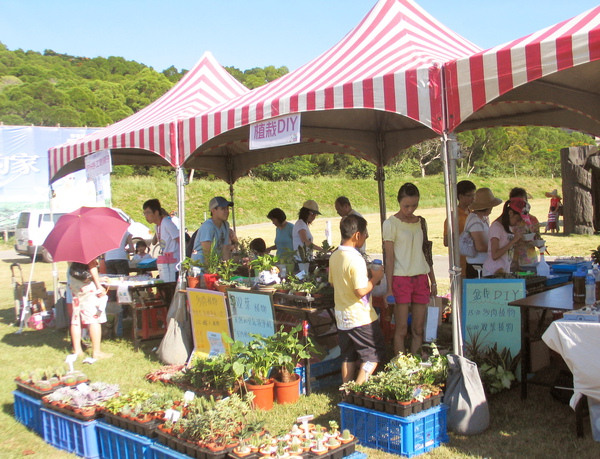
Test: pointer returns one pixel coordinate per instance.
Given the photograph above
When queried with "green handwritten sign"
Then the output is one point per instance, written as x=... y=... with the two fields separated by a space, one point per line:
x=251 y=312
x=486 y=317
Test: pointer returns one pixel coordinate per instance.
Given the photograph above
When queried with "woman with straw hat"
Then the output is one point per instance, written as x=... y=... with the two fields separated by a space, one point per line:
x=478 y=225
x=301 y=235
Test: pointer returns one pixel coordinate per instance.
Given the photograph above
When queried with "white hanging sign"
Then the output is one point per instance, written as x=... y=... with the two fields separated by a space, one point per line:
x=284 y=130
x=97 y=164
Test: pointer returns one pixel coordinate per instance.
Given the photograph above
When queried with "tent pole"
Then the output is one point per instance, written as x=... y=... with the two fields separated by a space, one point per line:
x=180 y=179
x=380 y=177
x=52 y=195
x=231 y=193
x=449 y=156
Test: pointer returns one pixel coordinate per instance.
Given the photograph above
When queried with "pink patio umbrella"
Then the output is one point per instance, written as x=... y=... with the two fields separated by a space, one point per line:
x=85 y=233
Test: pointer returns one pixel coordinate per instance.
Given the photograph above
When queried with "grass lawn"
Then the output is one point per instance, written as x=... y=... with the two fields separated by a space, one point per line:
x=536 y=428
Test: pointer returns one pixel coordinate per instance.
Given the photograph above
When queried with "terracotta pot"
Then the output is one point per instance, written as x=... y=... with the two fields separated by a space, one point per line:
x=192 y=282
x=209 y=280
x=263 y=395
x=288 y=392
x=222 y=288
x=240 y=454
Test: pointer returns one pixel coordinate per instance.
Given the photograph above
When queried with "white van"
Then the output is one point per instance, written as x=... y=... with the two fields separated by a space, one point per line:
x=34 y=225
x=32 y=228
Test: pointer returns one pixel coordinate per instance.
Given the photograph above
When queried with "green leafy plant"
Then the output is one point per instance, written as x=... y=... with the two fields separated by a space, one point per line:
x=188 y=263
x=264 y=262
x=288 y=349
x=211 y=260
x=304 y=253
x=226 y=270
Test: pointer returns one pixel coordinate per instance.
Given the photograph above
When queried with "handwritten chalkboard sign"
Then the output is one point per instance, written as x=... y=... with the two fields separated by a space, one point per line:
x=251 y=312
x=486 y=316
x=208 y=311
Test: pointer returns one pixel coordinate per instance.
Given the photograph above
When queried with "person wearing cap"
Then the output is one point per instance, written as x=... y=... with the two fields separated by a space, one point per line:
x=301 y=235
x=525 y=253
x=502 y=240
x=214 y=233
x=167 y=236
x=478 y=226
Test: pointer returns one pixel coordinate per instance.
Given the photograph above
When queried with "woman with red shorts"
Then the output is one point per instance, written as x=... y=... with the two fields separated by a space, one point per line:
x=409 y=272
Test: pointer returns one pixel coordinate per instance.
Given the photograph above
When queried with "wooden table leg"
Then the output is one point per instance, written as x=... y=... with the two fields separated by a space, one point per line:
x=306 y=361
x=525 y=351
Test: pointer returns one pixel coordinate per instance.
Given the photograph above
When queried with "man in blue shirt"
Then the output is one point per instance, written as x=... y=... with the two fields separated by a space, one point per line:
x=214 y=232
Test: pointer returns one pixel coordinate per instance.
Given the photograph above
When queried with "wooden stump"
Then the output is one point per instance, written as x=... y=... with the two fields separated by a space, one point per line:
x=578 y=188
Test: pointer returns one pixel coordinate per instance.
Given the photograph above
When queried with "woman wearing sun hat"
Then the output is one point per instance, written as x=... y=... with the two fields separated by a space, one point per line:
x=502 y=240
x=478 y=225
x=301 y=234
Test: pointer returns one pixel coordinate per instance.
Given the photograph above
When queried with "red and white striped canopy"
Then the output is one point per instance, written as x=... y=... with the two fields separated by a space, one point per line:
x=547 y=78
x=150 y=135
x=389 y=63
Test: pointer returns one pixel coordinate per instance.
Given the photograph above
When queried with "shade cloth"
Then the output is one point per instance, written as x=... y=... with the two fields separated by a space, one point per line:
x=578 y=344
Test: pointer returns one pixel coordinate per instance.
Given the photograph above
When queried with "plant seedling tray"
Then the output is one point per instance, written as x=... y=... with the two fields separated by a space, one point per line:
x=147 y=429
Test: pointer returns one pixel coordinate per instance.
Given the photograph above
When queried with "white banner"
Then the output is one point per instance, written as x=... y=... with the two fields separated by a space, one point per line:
x=274 y=132
x=97 y=164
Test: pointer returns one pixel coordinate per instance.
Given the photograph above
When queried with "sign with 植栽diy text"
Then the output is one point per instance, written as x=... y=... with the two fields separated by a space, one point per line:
x=284 y=130
x=486 y=317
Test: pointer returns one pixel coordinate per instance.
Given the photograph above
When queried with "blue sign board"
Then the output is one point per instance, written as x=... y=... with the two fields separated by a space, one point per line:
x=486 y=317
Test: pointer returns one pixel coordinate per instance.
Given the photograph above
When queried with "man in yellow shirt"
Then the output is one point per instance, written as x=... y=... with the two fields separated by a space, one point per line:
x=360 y=336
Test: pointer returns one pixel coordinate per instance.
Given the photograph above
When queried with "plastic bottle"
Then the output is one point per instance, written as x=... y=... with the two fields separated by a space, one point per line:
x=590 y=289
x=543 y=268
x=376 y=265
x=579 y=286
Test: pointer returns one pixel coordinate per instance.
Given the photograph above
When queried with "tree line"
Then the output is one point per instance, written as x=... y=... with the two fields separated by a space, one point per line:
x=50 y=89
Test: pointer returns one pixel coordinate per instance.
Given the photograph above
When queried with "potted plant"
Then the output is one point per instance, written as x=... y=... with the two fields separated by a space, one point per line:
x=210 y=267
x=319 y=448
x=254 y=360
x=265 y=268
x=226 y=270
x=288 y=350
x=346 y=436
x=187 y=265
x=304 y=257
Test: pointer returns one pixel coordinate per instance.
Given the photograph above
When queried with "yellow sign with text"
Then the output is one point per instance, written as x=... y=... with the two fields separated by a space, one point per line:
x=208 y=311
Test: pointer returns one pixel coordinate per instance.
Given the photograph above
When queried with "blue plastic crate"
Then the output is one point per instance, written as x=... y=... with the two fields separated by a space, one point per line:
x=158 y=451
x=357 y=455
x=27 y=411
x=408 y=437
x=116 y=443
x=70 y=434
x=322 y=375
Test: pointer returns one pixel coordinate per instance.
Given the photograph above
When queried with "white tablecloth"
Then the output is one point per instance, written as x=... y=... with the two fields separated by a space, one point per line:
x=579 y=345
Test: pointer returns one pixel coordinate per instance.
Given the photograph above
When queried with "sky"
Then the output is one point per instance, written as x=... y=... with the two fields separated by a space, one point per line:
x=245 y=33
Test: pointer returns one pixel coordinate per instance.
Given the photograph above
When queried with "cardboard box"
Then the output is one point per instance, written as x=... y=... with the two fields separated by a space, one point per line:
x=581 y=316
x=540 y=355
